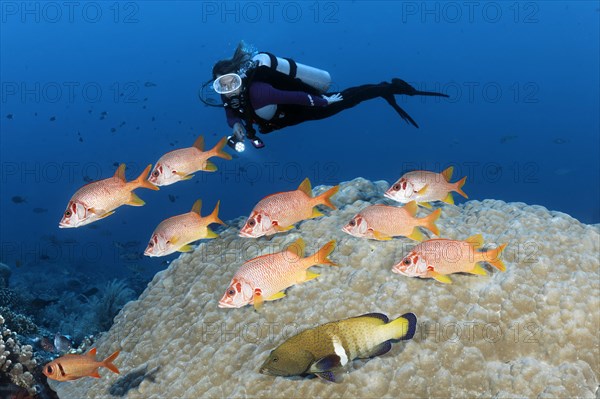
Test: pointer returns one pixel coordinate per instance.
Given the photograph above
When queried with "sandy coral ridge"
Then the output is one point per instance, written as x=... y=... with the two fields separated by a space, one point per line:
x=530 y=331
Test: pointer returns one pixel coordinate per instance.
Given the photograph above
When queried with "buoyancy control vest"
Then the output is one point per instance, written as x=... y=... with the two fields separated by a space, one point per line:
x=282 y=74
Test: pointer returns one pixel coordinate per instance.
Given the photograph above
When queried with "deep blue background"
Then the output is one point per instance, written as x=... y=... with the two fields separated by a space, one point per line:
x=522 y=122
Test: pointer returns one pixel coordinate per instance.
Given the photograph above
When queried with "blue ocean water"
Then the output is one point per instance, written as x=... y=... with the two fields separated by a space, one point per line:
x=88 y=85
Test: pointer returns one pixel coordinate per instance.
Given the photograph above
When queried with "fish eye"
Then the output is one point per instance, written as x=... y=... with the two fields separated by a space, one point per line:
x=406 y=261
x=275 y=359
x=49 y=370
x=352 y=223
x=251 y=222
x=68 y=213
x=155 y=173
x=150 y=244
x=396 y=187
x=231 y=292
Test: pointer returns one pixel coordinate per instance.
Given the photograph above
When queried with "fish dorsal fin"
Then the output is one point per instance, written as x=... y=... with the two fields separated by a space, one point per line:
x=411 y=208
x=92 y=353
x=447 y=173
x=305 y=187
x=120 y=173
x=197 y=206
x=297 y=247
x=379 y=316
x=475 y=241
x=199 y=143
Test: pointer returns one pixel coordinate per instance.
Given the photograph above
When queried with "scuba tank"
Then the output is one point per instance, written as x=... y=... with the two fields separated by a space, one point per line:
x=316 y=78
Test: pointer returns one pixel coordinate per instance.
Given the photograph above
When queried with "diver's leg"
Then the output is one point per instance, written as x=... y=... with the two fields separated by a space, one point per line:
x=401 y=87
x=351 y=97
x=354 y=96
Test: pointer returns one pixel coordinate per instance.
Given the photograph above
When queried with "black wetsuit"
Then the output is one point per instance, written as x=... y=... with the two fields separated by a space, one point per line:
x=294 y=114
x=289 y=114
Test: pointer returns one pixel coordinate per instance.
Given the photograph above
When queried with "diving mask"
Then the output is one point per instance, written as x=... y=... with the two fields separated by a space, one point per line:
x=226 y=84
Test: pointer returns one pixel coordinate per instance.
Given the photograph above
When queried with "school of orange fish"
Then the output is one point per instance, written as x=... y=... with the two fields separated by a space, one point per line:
x=265 y=278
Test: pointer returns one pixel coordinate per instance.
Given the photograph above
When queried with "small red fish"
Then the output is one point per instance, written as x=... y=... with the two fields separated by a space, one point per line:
x=438 y=257
x=382 y=222
x=266 y=277
x=73 y=367
x=177 y=232
x=279 y=212
x=423 y=187
x=99 y=199
x=179 y=164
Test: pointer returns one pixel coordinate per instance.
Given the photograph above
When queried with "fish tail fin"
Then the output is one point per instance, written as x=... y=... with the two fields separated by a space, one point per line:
x=214 y=216
x=321 y=256
x=458 y=187
x=325 y=198
x=108 y=362
x=404 y=327
x=142 y=180
x=217 y=150
x=493 y=257
x=429 y=221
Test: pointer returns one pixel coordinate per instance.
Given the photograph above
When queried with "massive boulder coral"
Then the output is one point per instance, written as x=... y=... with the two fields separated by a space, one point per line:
x=530 y=331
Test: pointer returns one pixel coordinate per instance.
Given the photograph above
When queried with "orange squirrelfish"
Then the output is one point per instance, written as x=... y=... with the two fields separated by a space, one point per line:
x=73 y=367
x=180 y=164
x=266 y=277
x=175 y=233
x=278 y=212
x=99 y=199
x=423 y=187
x=382 y=222
x=438 y=257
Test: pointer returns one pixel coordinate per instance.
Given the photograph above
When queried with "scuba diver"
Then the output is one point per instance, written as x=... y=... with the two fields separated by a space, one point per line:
x=272 y=93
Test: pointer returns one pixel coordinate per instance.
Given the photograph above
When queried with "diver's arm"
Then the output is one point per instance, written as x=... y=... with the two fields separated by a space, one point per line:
x=263 y=94
x=232 y=118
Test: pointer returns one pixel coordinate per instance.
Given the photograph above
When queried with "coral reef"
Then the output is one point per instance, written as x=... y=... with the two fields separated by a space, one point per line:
x=115 y=295
x=16 y=361
x=17 y=322
x=5 y=273
x=78 y=315
x=530 y=331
